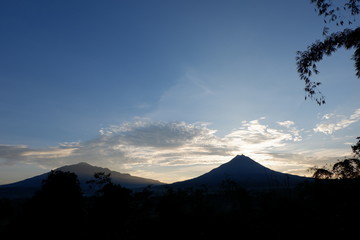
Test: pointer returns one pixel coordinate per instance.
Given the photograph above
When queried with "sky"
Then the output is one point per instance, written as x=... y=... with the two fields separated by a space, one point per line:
x=167 y=89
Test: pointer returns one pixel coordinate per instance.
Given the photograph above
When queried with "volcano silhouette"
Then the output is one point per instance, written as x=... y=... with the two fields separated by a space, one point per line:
x=245 y=172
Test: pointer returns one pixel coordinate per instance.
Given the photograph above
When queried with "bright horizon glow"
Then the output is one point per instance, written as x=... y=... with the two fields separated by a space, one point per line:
x=167 y=89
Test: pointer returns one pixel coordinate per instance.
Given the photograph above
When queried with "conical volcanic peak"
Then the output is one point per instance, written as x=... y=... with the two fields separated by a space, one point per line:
x=247 y=173
x=241 y=165
x=241 y=158
x=243 y=161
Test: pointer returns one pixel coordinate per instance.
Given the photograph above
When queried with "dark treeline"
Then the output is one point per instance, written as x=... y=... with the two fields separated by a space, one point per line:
x=323 y=208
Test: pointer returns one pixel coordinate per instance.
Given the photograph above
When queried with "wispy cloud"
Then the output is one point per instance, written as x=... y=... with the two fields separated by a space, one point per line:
x=331 y=123
x=12 y=153
x=49 y=157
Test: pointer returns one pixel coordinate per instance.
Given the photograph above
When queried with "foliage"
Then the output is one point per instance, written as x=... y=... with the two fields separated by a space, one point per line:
x=356 y=148
x=306 y=60
x=101 y=178
x=58 y=209
x=341 y=15
x=321 y=173
x=60 y=186
x=119 y=213
x=58 y=204
x=346 y=169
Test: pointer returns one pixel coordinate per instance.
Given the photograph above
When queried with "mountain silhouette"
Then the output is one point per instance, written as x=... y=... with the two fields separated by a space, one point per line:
x=245 y=172
x=242 y=170
x=84 y=172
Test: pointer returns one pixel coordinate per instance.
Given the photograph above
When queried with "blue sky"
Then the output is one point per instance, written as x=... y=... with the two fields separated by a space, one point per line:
x=167 y=89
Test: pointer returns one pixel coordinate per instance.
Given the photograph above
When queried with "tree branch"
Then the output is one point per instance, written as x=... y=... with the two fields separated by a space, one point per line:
x=306 y=60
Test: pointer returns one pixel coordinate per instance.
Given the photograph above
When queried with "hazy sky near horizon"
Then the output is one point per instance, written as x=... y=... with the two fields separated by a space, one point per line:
x=167 y=89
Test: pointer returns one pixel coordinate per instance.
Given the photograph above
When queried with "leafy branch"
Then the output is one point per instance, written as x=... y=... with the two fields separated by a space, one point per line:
x=306 y=60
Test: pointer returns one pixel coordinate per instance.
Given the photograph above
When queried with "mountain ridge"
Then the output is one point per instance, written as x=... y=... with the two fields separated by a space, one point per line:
x=84 y=172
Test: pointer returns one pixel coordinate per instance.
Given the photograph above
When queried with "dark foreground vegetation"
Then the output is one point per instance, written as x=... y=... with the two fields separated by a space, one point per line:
x=327 y=207
x=323 y=208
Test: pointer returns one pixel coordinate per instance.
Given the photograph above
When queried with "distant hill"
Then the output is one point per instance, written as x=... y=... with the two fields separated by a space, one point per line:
x=84 y=171
x=246 y=173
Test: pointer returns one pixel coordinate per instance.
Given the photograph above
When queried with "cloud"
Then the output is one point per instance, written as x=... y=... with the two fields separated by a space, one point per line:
x=143 y=144
x=164 y=143
x=10 y=154
x=157 y=134
x=255 y=135
x=49 y=153
x=331 y=122
x=286 y=124
x=290 y=125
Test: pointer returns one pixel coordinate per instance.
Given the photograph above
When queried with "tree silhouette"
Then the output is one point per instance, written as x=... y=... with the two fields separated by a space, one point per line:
x=356 y=148
x=321 y=173
x=57 y=208
x=348 y=38
x=59 y=202
x=100 y=180
x=61 y=187
x=346 y=169
x=112 y=207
